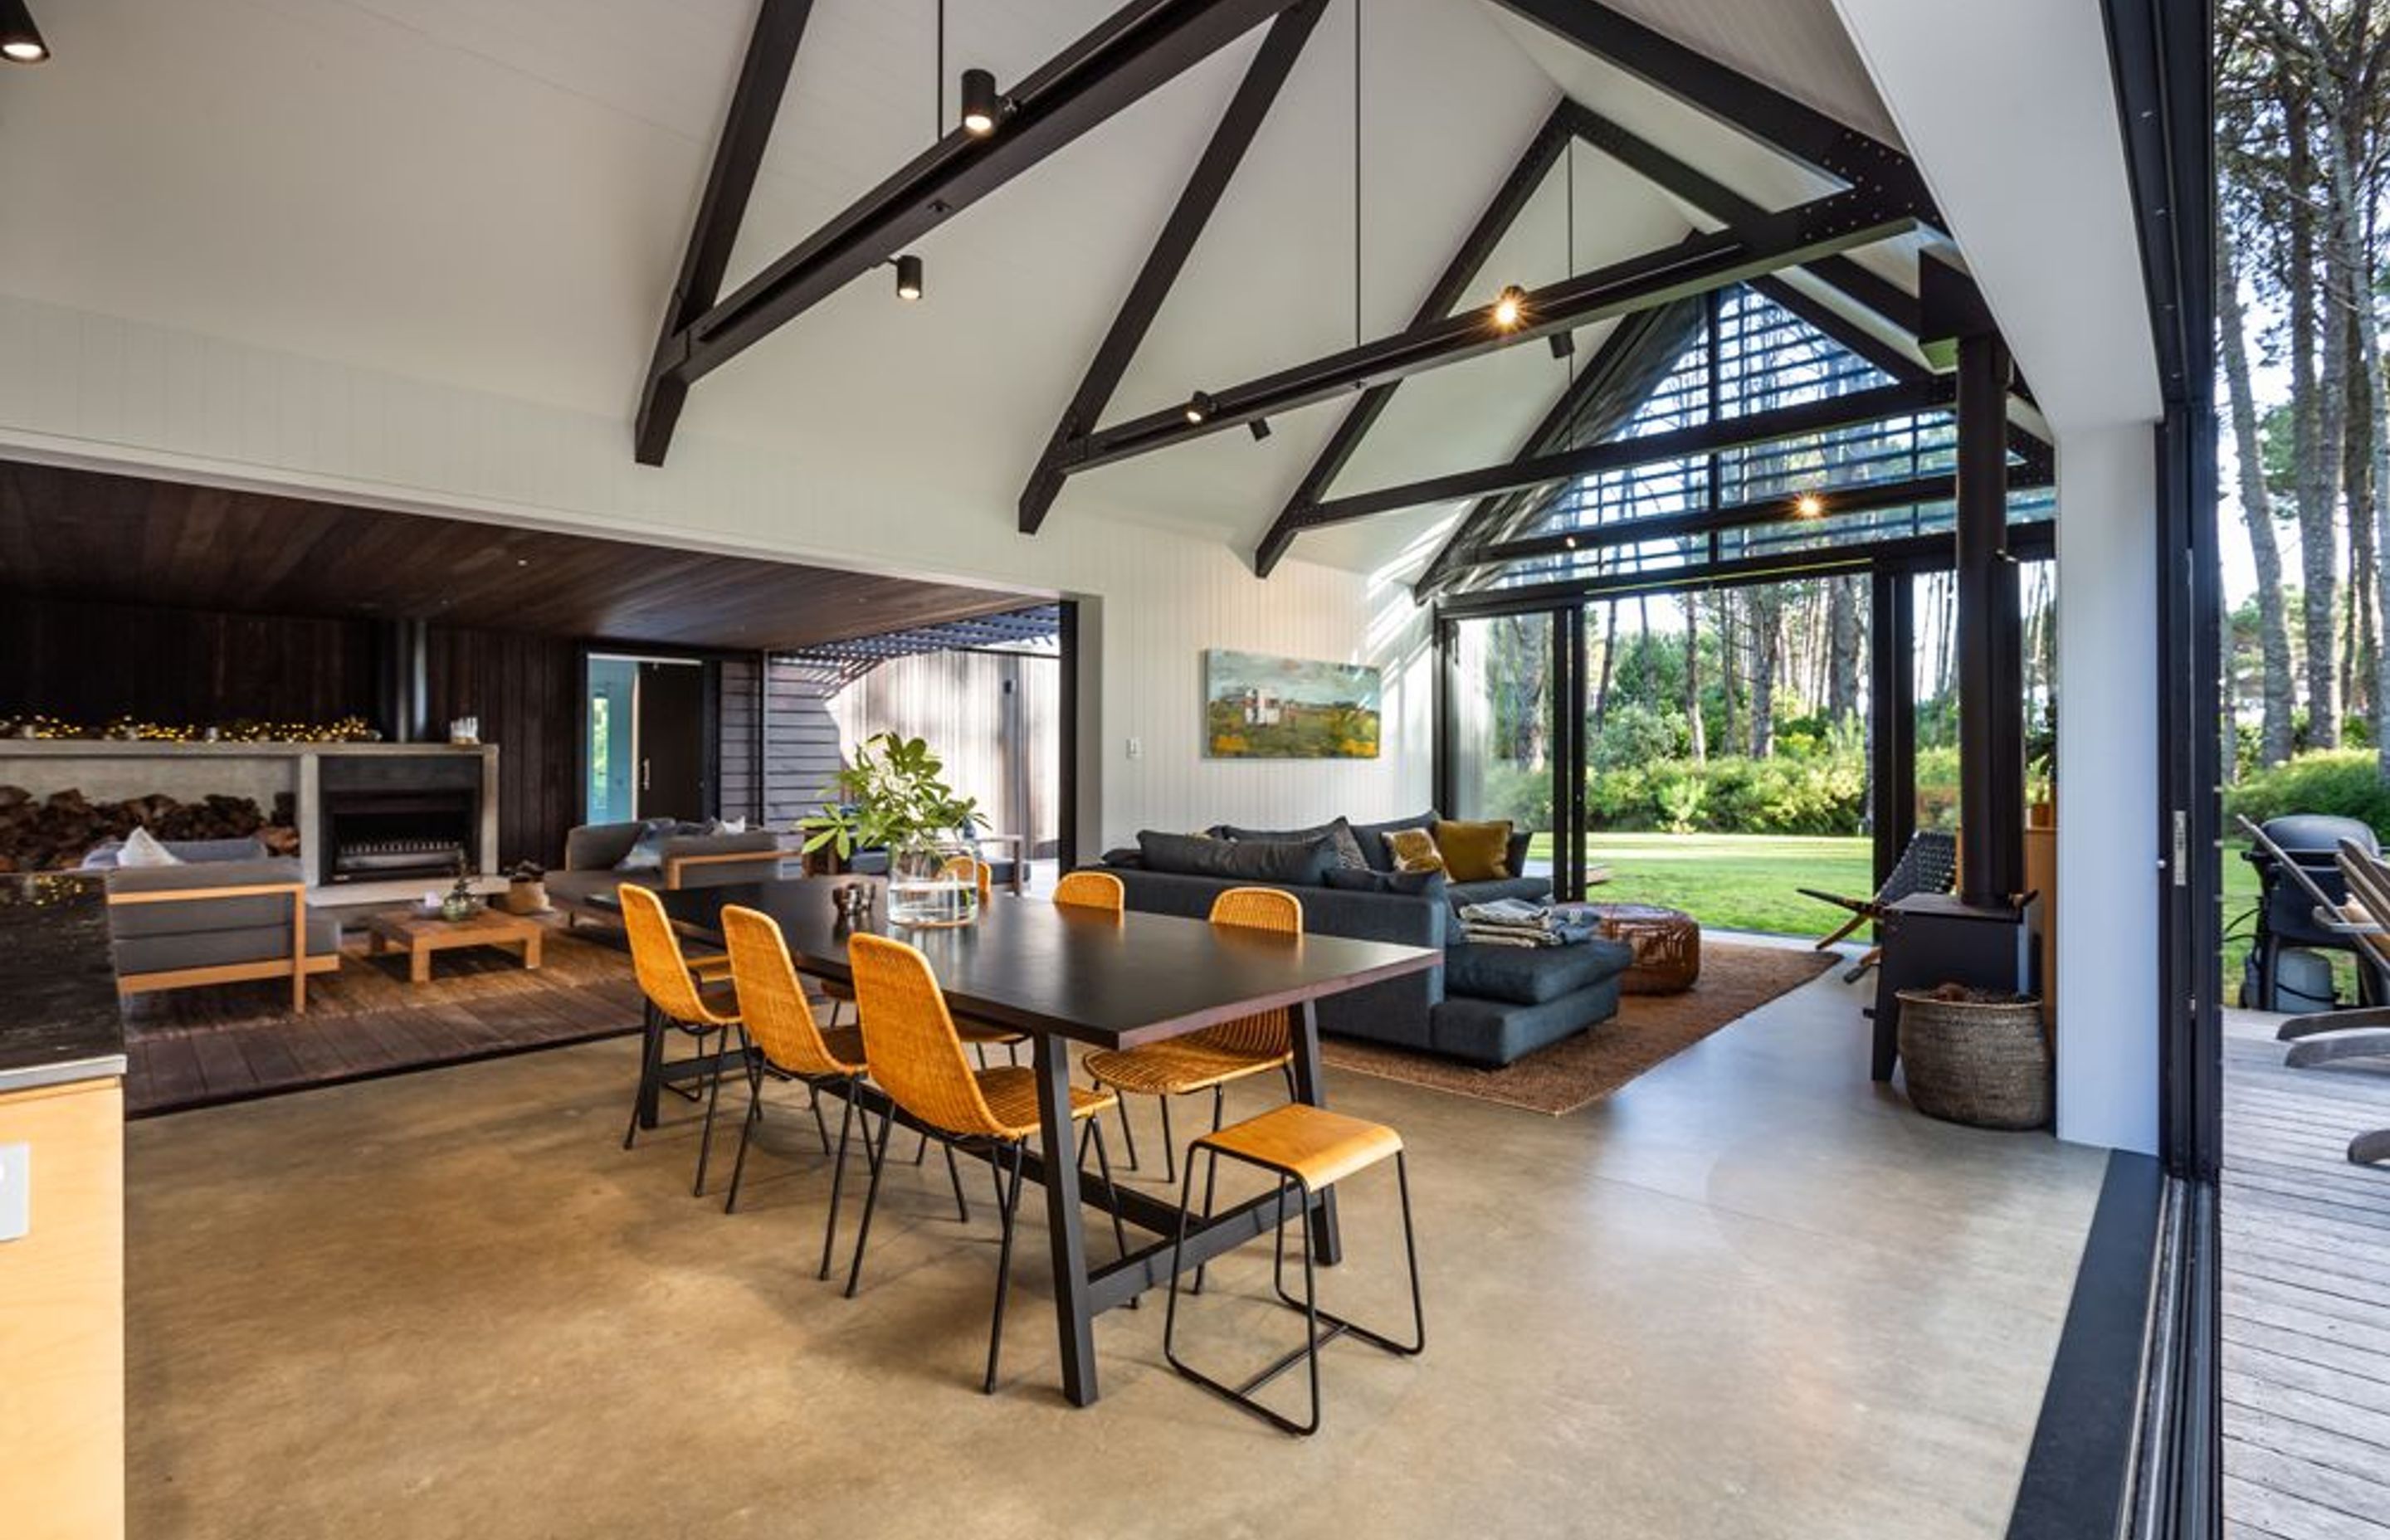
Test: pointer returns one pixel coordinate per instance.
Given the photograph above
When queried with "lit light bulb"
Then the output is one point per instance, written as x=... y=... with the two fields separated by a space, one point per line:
x=1809 y=505
x=1509 y=307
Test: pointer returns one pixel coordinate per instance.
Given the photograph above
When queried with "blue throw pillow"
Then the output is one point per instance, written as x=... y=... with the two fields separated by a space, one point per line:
x=646 y=852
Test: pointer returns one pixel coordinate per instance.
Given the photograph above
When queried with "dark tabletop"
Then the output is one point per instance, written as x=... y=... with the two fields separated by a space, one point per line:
x=58 y=986
x=1035 y=966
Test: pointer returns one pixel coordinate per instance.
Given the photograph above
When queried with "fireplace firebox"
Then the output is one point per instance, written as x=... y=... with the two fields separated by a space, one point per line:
x=399 y=816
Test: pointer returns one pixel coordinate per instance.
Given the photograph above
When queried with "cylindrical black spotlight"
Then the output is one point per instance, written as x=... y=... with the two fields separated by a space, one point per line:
x=908 y=277
x=1564 y=343
x=982 y=107
x=1199 y=406
x=1259 y=427
x=21 y=41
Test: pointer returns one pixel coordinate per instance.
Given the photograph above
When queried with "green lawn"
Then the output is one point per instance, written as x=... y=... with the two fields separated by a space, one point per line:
x=1731 y=882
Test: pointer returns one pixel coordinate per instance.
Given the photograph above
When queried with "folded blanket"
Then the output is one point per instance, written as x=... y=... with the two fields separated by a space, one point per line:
x=1517 y=922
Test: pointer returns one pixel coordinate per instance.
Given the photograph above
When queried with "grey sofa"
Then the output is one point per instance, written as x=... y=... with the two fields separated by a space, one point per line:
x=592 y=853
x=229 y=914
x=1487 y=1005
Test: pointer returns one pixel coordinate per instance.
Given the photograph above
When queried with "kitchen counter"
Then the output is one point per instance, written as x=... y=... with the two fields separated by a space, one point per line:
x=58 y=1015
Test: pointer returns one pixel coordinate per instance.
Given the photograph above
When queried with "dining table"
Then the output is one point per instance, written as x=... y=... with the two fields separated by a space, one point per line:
x=1062 y=974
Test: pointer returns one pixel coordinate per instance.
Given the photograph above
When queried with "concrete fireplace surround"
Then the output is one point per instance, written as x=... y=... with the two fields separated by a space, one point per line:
x=104 y=770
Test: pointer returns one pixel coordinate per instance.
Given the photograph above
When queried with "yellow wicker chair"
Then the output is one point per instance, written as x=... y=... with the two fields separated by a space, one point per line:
x=675 y=997
x=916 y=1059
x=1209 y=1060
x=981 y=1038
x=781 y=1023
x=1091 y=891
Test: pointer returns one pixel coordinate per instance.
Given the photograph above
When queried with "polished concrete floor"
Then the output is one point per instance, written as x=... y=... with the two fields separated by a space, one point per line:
x=1752 y=1295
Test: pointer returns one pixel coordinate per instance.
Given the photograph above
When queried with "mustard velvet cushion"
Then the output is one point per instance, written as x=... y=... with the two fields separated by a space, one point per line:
x=1414 y=849
x=1475 y=851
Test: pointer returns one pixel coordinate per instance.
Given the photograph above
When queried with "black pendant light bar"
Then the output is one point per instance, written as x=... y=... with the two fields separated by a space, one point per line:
x=21 y=41
x=1695 y=265
x=737 y=156
x=1138 y=48
x=1247 y=110
x=1783 y=422
x=908 y=277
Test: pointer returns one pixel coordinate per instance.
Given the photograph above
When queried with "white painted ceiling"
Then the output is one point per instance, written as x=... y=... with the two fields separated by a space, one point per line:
x=494 y=194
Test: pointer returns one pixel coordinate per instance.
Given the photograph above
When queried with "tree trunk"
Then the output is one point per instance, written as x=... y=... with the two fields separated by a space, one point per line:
x=2256 y=509
x=1609 y=651
x=1729 y=669
x=1843 y=648
x=1766 y=635
x=1693 y=677
x=2319 y=417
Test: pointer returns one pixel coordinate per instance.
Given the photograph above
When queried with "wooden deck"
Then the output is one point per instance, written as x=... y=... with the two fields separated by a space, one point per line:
x=2306 y=1296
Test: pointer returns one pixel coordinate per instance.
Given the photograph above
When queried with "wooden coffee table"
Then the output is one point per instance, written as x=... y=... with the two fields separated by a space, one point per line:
x=420 y=935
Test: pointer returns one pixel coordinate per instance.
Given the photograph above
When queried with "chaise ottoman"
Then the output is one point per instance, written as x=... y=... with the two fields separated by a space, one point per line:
x=1501 y=1003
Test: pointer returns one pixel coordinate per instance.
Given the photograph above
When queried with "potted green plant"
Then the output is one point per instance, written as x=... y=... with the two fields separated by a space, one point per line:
x=892 y=798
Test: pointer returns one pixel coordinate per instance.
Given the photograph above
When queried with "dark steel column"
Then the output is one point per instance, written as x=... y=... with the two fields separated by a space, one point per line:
x=1892 y=705
x=1991 y=678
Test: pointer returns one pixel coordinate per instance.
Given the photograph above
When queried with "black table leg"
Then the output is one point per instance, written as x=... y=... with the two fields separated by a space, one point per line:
x=1327 y=1243
x=1065 y=1233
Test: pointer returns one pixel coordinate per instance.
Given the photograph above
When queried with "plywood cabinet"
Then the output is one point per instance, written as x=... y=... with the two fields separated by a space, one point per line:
x=62 y=1319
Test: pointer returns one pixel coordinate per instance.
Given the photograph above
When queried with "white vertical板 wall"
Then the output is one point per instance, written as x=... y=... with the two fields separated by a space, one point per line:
x=110 y=393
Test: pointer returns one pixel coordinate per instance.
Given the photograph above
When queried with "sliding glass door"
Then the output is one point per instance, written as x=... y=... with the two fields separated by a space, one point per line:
x=1504 y=756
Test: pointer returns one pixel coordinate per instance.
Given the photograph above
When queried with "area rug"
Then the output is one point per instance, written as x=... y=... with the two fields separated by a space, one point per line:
x=1580 y=1070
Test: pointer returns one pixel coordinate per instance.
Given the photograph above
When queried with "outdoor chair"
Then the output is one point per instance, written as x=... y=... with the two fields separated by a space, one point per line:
x=1929 y=865
x=2362 y=919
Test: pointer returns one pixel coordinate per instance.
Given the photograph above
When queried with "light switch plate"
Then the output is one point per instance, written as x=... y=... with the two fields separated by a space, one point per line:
x=15 y=1190
x=1137 y=747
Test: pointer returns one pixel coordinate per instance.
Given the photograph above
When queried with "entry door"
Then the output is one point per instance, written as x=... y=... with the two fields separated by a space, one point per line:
x=672 y=742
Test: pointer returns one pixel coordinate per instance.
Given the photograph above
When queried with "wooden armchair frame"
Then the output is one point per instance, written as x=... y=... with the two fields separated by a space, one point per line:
x=297 y=966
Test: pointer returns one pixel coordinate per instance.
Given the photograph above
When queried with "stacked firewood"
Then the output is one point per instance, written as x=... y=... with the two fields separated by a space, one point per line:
x=53 y=833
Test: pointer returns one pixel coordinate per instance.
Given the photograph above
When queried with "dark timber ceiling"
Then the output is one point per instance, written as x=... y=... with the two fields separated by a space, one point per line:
x=69 y=534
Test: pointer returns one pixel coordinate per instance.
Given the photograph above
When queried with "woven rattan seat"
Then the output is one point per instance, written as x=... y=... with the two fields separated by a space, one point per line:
x=676 y=996
x=1011 y=1092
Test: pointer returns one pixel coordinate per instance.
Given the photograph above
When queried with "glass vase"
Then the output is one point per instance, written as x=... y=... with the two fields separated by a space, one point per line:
x=933 y=882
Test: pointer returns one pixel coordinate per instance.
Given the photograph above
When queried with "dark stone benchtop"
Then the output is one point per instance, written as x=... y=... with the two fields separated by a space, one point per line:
x=58 y=1014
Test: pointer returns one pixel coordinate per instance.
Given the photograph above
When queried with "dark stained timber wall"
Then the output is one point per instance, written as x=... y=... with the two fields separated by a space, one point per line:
x=91 y=663
x=527 y=692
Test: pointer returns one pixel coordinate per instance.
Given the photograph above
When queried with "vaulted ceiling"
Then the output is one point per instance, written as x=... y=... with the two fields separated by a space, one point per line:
x=495 y=194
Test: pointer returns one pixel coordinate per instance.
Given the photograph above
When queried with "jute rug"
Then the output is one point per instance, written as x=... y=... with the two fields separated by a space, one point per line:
x=1579 y=1070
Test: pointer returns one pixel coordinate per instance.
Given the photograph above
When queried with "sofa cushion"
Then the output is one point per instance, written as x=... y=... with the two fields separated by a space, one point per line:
x=1373 y=838
x=599 y=847
x=1337 y=832
x=1534 y=889
x=1497 y=1032
x=142 y=849
x=1414 y=849
x=1295 y=865
x=1475 y=851
x=1530 y=975
x=1408 y=884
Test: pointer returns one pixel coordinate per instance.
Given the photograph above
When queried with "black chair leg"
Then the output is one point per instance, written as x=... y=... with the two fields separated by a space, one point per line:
x=814 y=1102
x=879 y=1158
x=1128 y=1137
x=651 y=1053
x=712 y=1097
x=838 y=1177
x=1104 y=1170
x=1003 y=1269
x=953 y=1175
x=1169 y=1146
x=746 y=1127
x=1211 y=1173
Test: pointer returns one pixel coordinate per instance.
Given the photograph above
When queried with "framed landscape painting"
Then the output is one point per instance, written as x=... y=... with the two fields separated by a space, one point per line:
x=1259 y=706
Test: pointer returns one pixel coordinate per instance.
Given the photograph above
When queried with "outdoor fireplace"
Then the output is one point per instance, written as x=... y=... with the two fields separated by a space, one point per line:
x=401 y=815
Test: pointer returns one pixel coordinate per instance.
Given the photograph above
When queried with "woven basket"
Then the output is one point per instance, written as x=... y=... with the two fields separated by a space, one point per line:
x=1977 y=1059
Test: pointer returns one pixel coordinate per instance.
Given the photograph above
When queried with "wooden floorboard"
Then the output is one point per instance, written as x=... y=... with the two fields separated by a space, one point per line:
x=2306 y=1299
x=202 y=1048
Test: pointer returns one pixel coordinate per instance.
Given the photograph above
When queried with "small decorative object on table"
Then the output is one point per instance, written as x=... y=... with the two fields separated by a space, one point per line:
x=891 y=798
x=526 y=890
x=460 y=903
x=1975 y=1056
x=465 y=732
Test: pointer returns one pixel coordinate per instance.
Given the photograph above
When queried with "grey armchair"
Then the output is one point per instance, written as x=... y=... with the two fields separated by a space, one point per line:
x=218 y=922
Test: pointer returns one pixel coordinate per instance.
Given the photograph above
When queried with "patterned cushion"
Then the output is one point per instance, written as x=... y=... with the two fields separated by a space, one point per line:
x=1414 y=849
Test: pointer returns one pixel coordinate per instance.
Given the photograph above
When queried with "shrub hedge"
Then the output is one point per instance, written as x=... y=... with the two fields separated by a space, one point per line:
x=2343 y=781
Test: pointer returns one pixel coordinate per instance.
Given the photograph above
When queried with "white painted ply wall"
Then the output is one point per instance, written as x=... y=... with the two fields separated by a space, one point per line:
x=115 y=394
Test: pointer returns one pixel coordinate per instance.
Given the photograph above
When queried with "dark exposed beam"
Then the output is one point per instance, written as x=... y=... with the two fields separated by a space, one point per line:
x=737 y=154
x=1790 y=127
x=1264 y=79
x=1636 y=344
x=1758 y=514
x=1693 y=266
x=2033 y=541
x=1714 y=197
x=1785 y=422
x=1493 y=223
x=1131 y=53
